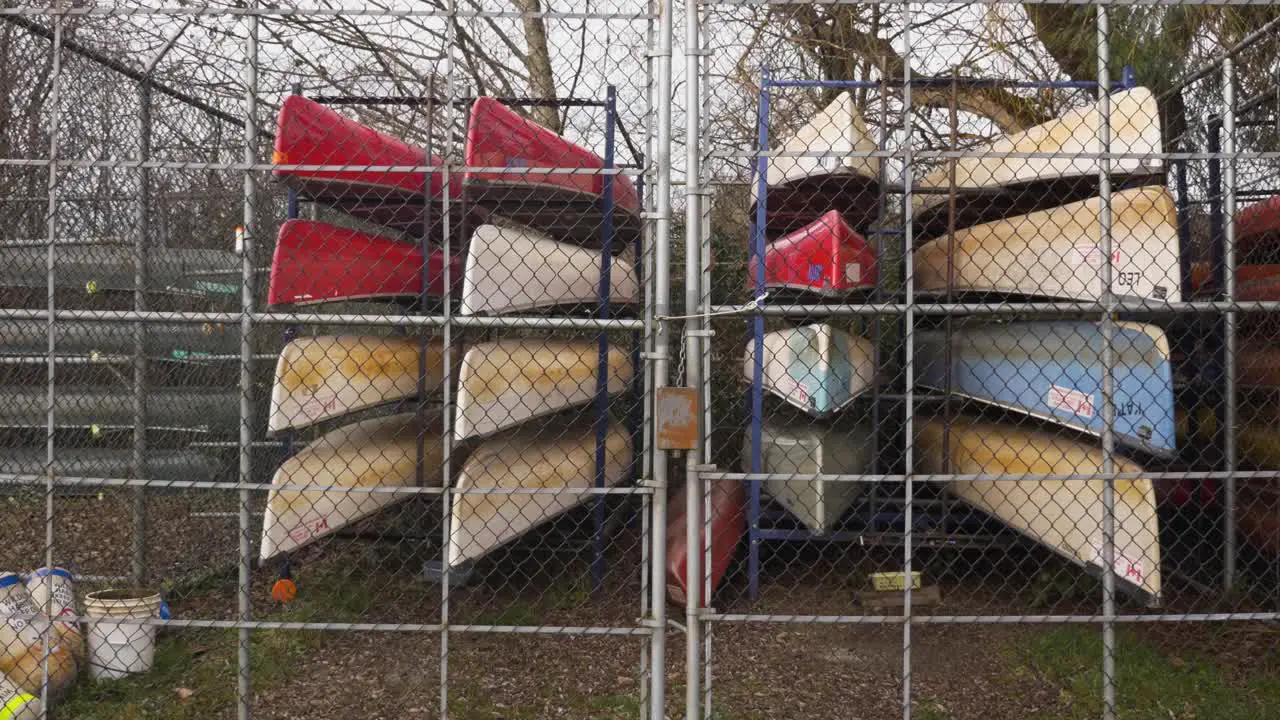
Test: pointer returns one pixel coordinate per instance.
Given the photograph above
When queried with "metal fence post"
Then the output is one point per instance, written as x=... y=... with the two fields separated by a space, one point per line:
x=661 y=362
x=1229 y=346
x=909 y=287
x=693 y=365
x=1108 y=361
x=140 y=249
x=245 y=601
x=51 y=230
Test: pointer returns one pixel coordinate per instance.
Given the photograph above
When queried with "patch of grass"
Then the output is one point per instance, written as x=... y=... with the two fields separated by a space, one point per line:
x=1150 y=684
x=614 y=706
x=203 y=661
x=928 y=708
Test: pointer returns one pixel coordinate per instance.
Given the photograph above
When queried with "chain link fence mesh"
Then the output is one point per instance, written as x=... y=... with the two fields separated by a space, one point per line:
x=331 y=337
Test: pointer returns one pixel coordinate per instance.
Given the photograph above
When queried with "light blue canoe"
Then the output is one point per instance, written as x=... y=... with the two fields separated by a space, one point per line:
x=1053 y=370
x=817 y=368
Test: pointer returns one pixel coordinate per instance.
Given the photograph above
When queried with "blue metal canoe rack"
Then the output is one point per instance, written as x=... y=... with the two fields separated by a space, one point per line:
x=879 y=518
x=608 y=235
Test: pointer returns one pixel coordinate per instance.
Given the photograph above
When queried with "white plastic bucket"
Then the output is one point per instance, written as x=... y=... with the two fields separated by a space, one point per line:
x=16 y=704
x=116 y=649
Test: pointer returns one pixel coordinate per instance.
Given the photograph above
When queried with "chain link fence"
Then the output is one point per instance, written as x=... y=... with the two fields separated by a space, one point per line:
x=339 y=346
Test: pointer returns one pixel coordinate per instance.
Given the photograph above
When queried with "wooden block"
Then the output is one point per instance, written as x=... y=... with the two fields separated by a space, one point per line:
x=927 y=595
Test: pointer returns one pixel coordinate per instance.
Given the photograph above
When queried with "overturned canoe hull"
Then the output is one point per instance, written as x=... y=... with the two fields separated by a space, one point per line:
x=183 y=341
x=1055 y=253
x=508 y=382
x=102 y=268
x=1258 y=230
x=535 y=458
x=185 y=409
x=561 y=203
x=1054 y=371
x=817 y=368
x=316 y=262
x=808 y=449
x=728 y=526
x=320 y=378
x=801 y=189
x=379 y=453
x=308 y=133
x=497 y=137
x=990 y=188
x=1065 y=516
x=514 y=269
x=826 y=257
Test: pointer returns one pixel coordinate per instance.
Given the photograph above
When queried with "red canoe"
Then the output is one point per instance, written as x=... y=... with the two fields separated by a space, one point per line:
x=499 y=138
x=827 y=257
x=1258 y=224
x=1253 y=282
x=728 y=525
x=308 y=133
x=316 y=262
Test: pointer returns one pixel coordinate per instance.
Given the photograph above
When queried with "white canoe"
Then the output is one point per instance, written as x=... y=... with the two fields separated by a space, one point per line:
x=1055 y=253
x=546 y=458
x=327 y=376
x=838 y=131
x=1135 y=129
x=833 y=176
x=504 y=383
x=373 y=453
x=515 y=269
x=804 y=448
x=1065 y=516
x=817 y=368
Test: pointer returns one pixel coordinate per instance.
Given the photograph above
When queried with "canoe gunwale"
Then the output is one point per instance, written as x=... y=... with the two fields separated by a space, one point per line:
x=545 y=207
x=551 y=267
x=852 y=193
x=1130 y=440
x=981 y=205
x=374 y=203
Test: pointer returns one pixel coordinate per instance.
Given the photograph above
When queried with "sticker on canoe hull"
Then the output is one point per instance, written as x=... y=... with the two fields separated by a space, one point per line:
x=1070 y=400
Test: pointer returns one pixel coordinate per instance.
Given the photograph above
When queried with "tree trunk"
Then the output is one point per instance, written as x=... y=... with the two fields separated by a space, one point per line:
x=537 y=61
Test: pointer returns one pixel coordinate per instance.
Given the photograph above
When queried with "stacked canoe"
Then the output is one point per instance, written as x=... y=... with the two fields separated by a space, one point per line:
x=1257 y=367
x=503 y=239
x=1016 y=229
x=816 y=207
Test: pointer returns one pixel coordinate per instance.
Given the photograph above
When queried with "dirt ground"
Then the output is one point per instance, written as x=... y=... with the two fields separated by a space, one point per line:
x=760 y=670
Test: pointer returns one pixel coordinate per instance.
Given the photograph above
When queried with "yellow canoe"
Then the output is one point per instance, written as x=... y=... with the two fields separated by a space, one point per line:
x=318 y=378
x=1055 y=253
x=555 y=457
x=1065 y=516
x=373 y=453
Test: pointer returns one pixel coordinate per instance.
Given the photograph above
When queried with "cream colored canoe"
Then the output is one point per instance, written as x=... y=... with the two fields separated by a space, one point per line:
x=839 y=131
x=817 y=368
x=508 y=382
x=1055 y=253
x=833 y=176
x=1135 y=129
x=1066 y=516
x=804 y=448
x=373 y=453
x=324 y=377
x=533 y=458
x=515 y=269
